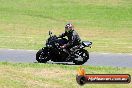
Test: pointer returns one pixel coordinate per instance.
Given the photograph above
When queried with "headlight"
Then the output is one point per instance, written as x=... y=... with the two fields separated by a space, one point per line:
x=48 y=45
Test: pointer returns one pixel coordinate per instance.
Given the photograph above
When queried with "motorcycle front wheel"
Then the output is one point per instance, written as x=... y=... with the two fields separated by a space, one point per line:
x=41 y=56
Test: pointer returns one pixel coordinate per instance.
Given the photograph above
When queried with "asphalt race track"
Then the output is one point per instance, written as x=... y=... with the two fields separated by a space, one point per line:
x=96 y=59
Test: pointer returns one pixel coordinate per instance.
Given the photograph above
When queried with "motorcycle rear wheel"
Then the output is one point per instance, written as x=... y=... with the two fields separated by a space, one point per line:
x=83 y=54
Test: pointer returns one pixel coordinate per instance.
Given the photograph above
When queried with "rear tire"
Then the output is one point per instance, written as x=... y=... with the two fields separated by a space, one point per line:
x=41 y=56
x=84 y=54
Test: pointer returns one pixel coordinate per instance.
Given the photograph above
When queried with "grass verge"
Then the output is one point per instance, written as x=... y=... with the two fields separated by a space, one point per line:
x=24 y=24
x=34 y=75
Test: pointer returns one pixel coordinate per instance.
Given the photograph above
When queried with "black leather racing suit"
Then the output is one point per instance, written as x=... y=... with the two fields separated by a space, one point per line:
x=73 y=38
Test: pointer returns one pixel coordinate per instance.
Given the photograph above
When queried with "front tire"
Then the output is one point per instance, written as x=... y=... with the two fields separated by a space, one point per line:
x=41 y=56
x=83 y=55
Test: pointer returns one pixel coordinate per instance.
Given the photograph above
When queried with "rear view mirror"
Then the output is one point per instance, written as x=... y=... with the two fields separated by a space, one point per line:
x=50 y=32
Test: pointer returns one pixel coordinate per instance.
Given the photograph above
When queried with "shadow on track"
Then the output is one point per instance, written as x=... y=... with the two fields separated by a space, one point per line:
x=59 y=63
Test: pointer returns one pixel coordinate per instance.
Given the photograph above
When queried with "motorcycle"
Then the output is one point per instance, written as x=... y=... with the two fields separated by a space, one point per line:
x=52 y=51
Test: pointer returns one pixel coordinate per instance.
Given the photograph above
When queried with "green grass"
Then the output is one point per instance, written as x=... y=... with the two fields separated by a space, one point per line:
x=52 y=75
x=24 y=24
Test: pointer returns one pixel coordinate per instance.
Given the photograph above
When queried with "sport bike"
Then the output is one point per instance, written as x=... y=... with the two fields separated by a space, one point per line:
x=52 y=51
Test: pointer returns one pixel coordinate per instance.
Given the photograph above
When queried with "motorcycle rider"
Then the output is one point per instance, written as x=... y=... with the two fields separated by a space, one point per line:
x=73 y=37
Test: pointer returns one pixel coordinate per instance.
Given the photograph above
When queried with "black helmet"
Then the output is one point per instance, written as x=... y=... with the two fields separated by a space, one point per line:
x=69 y=27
